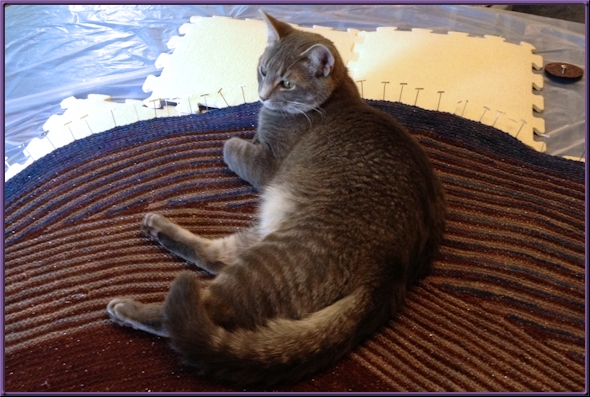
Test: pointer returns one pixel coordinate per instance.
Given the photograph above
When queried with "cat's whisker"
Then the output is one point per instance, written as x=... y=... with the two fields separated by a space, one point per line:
x=318 y=108
x=295 y=107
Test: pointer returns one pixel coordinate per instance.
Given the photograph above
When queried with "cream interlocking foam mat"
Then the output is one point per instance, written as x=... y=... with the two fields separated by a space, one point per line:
x=214 y=62
x=481 y=78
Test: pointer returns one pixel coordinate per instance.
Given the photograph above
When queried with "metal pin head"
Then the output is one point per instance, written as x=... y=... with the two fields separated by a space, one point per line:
x=401 y=91
x=384 y=85
x=522 y=125
x=86 y=121
x=417 y=92
x=464 y=106
x=362 y=91
x=69 y=128
x=205 y=97
x=219 y=92
x=497 y=116
x=439 y=98
x=484 y=112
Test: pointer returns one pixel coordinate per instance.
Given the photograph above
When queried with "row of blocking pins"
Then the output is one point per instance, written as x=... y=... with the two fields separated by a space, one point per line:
x=200 y=109
x=206 y=108
x=402 y=85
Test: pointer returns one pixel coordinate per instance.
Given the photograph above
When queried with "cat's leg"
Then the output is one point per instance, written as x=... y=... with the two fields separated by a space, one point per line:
x=209 y=254
x=145 y=317
x=154 y=318
x=252 y=162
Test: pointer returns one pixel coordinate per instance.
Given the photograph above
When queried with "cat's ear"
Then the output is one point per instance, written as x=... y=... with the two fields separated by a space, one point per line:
x=321 y=59
x=275 y=29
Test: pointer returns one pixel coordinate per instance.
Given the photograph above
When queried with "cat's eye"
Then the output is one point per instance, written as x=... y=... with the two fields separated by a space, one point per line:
x=287 y=84
x=263 y=71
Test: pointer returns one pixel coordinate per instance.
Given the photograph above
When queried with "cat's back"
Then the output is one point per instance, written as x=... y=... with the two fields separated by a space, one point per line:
x=358 y=154
x=355 y=195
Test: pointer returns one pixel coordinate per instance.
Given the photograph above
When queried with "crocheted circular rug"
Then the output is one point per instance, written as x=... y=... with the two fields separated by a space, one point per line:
x=504 y=309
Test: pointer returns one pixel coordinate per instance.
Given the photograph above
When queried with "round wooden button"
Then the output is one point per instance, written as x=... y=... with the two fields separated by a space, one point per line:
x=565 y=71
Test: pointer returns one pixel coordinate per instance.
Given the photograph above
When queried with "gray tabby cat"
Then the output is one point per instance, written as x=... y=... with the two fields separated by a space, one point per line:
x=351 y=216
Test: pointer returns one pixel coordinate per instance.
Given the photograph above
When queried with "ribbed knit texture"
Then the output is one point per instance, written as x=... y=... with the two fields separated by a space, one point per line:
x=504 y=309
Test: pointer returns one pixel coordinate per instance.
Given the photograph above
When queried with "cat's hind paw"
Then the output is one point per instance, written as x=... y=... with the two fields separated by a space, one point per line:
x=152 y=224
x=157 y=226
x=129 y=313
x=117 y=310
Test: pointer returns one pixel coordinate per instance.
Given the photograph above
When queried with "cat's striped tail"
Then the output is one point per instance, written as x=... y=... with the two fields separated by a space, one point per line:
x=282 y=350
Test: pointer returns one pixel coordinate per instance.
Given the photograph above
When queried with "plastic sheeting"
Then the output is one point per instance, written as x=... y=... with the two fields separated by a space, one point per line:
x=56 y=51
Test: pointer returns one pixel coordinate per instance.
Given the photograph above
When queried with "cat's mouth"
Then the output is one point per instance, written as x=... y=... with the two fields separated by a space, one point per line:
x=287 y=106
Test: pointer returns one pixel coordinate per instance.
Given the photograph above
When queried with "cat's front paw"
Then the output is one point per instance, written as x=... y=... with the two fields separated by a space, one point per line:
x=231 y=148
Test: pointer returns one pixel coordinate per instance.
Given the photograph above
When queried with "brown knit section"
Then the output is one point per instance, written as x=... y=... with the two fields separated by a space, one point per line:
x=504 y=309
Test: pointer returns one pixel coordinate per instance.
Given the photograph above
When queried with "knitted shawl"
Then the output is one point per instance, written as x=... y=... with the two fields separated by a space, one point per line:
x=503 y=310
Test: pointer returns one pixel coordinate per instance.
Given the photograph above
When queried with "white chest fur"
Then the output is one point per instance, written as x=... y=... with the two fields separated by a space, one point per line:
x=277 y=204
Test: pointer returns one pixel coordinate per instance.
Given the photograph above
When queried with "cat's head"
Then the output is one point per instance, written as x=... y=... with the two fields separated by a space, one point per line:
x=298 y=70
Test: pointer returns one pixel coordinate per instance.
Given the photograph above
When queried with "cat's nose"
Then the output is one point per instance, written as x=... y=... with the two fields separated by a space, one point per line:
x=264 y=93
